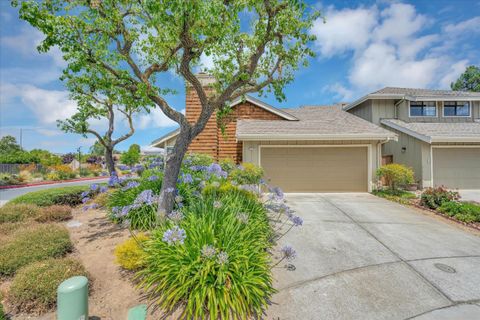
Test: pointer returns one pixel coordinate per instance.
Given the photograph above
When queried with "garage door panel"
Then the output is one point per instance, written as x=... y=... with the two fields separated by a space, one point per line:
x=316 y=169
x=456 y=167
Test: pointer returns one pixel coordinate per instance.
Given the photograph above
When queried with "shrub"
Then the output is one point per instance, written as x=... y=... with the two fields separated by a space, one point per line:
x=220 y=269
x=33 y=244
x=396 y=175
x=400 y=196
x=227 y=164
x=63 y=172
x=18 y=212
x=34 y=287
x=247 y=173
x=18 y=157
x=7 y=179
x=463 y=211
x=54 y=213
x=129 y=254
x=70 y=196
x=197 y=159
x=434 y=197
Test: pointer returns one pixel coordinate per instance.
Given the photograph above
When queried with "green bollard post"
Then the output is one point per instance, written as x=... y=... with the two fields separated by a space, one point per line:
x=72 y=299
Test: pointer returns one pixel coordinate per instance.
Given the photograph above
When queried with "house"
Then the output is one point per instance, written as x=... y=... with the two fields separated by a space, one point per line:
x=306 y=149
x=438 y=132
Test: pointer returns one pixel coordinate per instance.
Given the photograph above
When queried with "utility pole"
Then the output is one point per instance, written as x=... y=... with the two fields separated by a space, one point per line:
x=79 y=160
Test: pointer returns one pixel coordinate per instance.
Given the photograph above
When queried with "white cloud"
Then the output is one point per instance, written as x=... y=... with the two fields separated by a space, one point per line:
x=155 y=119
x=344 y=30
x=389 y=47
x=47 y=105
x=25 y=42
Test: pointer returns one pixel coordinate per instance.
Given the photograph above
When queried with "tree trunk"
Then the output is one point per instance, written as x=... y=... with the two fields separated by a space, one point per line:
x=171 y=172
x=109 y=161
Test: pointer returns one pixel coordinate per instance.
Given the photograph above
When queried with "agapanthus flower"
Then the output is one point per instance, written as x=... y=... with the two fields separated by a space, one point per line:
x=103 y=189
x=187 y=178
x=85 y=200
x=138 y=168
x=222 y=258
x=113 y=180
x=249 y=187
x=296 y=220
x=153 y=178
x=84 y=194
x=145 y=197
x=277 y=193
x=174 y=236
x=288 y=253
x=243 y=217
x=198 y=168
x=123 y=167
x=94 y=187
x=116 y=210
x=216 y=169
x=130 y=185
x=103 y=174
x=124 y=211
x=208 y=251
x=175 y=216
x=217 y=204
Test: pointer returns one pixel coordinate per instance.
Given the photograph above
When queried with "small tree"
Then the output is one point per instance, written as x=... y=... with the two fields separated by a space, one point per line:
x=256 y=46
x=468 y=81
x=396 y=175
x=132 y=156
x=8 y=144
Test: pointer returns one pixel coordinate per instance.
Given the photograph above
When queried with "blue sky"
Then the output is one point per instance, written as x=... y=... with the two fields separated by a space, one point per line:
x=362 y=47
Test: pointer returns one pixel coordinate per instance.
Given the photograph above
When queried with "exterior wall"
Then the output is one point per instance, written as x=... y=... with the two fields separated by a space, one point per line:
x=363 y=110
x=251 y=151
x=228 y=145
x=212 y=140
x=382 y=109
x=403 y=114
x=413 y=155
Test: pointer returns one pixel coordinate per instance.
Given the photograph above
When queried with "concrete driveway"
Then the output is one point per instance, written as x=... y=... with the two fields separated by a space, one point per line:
x=362 y=257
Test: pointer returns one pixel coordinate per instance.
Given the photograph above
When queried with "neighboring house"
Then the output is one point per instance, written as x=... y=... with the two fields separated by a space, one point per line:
x=306 y=149
x=438 y=132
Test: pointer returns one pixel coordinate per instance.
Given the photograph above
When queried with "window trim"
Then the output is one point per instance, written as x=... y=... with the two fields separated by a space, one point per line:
x=410 y=108
x=469 y=110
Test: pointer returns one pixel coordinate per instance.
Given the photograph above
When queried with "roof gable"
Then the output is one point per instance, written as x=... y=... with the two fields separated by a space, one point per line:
x=263 y=105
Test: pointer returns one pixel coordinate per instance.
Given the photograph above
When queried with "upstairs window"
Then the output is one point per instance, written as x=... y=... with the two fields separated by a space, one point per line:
x=423 y=109
x=456 y=109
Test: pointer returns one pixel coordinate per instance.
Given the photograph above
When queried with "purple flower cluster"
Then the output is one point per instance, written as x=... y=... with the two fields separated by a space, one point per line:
x=175 y=216
x=123 y=167
x=153 y=178
x=216 y=169
x=174 y=236
x=85 y=199
x=113 y=181
x=198 y=168
x=146 y=197
x=187 y=178
x=130 y=185
x=138 y=168
x=222 y=258
x=103 y=189
x=208 y=251
x=288 y=253
x=94 y=187
x=276 y=193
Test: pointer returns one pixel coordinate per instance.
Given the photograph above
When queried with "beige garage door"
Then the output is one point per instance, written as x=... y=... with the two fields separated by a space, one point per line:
x=316 y=169
x=456 y=167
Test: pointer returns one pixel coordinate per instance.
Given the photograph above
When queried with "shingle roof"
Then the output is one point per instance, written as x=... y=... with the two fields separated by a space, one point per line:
x=438 y=131
x=426 y=92
x=315 y=122
x=415 y=94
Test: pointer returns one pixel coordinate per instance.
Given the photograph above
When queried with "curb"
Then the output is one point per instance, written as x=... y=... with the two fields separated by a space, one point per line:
x=17 y=186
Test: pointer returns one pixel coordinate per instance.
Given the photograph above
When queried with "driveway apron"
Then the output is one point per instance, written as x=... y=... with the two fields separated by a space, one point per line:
x=363 y=257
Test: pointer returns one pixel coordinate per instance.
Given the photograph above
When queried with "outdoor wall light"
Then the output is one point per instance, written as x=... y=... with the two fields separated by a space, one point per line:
x=404 y=149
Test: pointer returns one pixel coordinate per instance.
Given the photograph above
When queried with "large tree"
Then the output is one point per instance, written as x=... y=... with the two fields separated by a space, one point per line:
x=468 y=81
x=255 y=45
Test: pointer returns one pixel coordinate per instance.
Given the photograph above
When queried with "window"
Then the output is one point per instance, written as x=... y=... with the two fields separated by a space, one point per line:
x=456 y=109
x=423 y=109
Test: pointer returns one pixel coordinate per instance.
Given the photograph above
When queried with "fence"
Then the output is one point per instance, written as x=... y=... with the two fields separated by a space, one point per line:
x=14 y=168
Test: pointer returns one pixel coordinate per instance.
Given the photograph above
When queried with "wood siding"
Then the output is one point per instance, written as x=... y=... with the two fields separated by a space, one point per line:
x=212 y=140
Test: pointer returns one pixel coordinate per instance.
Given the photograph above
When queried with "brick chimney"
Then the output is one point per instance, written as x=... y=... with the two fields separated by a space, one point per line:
x=207 y=141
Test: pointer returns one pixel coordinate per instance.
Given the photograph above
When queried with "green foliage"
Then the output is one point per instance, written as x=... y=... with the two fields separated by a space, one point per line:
x=197 y=159
x=435 y=197
x=400 y=196
x=55 y=213
x=8 y=144
x=34 y=287
x=396 y=175
x=129 y=254
x=2 y=314
x=97 y=149
x=227 y=165
x=468 y=81
x=132 y=156
x=33 y=244
x=463 y=211
x=207 y=286
x=46 y=158
x=7 y=179
x=247 y=173
x=18 y=212
x=69 y=196
x=18 y=157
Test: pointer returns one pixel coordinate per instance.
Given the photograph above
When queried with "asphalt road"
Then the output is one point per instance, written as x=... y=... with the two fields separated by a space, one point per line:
x=8 y=194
